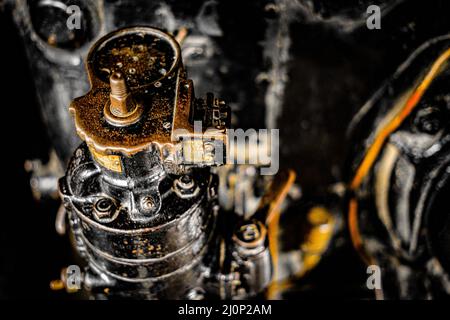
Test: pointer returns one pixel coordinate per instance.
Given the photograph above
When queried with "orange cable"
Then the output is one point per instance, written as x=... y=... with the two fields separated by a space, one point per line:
x=377 y=145
x=273 y=220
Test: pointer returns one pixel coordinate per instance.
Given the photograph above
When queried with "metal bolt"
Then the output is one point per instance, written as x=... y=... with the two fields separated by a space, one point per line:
x=147 y=203
x=185 y=182
x=122 y=109
x=185 y=187
x=120 y=104
x=250 y=235
x=104 y=208
x=249 y=232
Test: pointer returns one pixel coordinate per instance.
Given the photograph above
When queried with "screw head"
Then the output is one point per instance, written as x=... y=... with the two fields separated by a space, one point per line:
x=250 y=235
x=104 y=208
x=147 y=203
x=185 y=187
x=249 y=232
x=185 y=182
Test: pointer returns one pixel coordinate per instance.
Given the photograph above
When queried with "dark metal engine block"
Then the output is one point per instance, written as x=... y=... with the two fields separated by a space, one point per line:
x=141 y=197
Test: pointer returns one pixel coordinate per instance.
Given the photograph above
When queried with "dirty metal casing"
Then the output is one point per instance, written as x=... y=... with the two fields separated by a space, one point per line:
x=149 y=243
x=140 y=198
x=150 y=62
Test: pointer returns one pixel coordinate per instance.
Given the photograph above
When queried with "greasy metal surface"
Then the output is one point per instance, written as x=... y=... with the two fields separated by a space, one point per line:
x=143 y=55
x=162 y=100
x=140 y=54
x=144 y=235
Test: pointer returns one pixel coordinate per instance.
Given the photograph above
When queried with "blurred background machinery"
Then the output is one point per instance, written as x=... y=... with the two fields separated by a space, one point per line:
x=363 y=118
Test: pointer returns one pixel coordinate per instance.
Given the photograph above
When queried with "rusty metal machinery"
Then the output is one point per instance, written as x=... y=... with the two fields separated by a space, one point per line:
x=141 y=197
x=135 y=164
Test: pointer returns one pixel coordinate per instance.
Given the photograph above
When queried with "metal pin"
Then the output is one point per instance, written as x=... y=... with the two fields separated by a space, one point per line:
x=121 y=103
